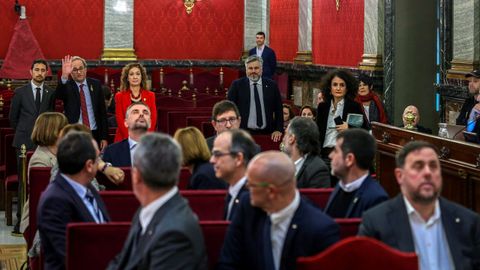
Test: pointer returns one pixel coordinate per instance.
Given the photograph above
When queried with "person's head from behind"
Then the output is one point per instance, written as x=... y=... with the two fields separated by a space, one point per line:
x=77 y=155
x=138 y=117
x=411 y=111
x=193 y=144
x=156 y=165
x=73 y=127
x=260 y=38
x=418 y=172
x=47 y=128
x=271 y=181
x=231 y=153
x=354 y=149
x=308 y=111
x=338 y=84
x=133 y=75
x=254 y=68
x=302 y=134
x=365 y=85
x=287 y=112
x=108 y=95
x=39 y=70
x=225 y=115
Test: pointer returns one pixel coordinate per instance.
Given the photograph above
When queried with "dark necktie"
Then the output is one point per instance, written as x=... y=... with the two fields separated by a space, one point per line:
x=91 y=200
x=83 y=107
x=258 y=106
x=38 y=98
x=228 y=198
x=267 y=244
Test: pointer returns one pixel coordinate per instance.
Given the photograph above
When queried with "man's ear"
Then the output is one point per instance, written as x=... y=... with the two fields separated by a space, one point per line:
x=136 y=176
x=399 y=175
x=239 y=159
x=350 y=159
x=214 y=124
x=125 y=123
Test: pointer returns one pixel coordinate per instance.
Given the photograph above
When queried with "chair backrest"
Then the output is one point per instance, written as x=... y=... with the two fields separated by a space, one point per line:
x=183 y=179
x=318 y=196
x=10 y=156
x=92 y=246
x=214 y=235
x=348 y=226
x=121 y=204
x=39 y=178
x=3 y=133
x=109 y=185
x=207 y=204
x=359 y=253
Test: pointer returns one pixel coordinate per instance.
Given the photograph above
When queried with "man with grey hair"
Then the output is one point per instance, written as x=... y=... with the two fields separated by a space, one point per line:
x=301 y=144
x=165 y=233
x=258 y=100
x=83 y=98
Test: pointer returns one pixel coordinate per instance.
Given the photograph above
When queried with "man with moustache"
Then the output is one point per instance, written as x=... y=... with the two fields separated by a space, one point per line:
x=137 y=120
x=28 y=102
x=444 y=235
x=470 y=113
x=258 y=100
x=267 y=54
x=83 y=98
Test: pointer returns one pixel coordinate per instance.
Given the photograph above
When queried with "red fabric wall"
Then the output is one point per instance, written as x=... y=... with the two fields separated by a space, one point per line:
x=284 y=28
x=214 y=30
x=61 y=27
x=337 y=37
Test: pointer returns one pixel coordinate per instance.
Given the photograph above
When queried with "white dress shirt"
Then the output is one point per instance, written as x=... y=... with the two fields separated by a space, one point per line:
x=331 y=132
x=147 y=212
x=260 y=50
x=233 y=191
x=353 y=185
x=299 y=163
x=132 y=145
x=252 y=117
x=34 y=90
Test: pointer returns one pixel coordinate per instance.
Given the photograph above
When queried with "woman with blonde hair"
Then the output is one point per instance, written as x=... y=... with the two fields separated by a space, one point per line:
x=133 y=88
x=196 y=156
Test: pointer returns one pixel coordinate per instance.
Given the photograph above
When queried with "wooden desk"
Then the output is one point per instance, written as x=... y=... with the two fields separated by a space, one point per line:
x=460 y=163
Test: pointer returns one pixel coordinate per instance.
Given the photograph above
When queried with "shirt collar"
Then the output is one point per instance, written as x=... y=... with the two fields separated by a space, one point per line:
x=299 y=163
x=287 y=212
x=34 y=86
x=131 y=143
x=235 y=189
x=147 y=212
x=80 y=189
x=352 y=186
x=79 y=83
x=259 y=83
x=412 y=212
x=261 y=48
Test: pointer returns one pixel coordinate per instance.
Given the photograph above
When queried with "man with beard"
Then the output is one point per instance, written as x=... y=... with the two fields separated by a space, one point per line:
x=27 y=104
x=470 y=113
x=444 y=235
x=267 y=54
x=258 y=100
x=137 y=120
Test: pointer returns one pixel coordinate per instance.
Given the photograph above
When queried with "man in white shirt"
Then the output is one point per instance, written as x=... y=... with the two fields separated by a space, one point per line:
x=232 y=150
x=274 y=225
x=165 y=233
x=444 y=235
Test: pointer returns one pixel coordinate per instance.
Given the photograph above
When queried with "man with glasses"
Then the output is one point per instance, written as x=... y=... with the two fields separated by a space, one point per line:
x=232 y=150
x=274 y=225
x=225 y=116
x=83 y=98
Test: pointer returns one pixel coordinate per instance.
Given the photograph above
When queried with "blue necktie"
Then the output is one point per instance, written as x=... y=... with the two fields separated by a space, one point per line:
x=258 y=106
x=226 y=215
x=91 y=200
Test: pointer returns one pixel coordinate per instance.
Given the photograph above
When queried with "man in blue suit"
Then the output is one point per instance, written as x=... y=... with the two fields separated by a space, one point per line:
x=274 y=225
x=267 y=54
x=137 y=120
x=70 y=197
x=356 y=191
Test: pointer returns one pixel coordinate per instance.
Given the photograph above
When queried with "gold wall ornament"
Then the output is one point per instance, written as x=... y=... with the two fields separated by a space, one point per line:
x=337 y=4
x=189 y=5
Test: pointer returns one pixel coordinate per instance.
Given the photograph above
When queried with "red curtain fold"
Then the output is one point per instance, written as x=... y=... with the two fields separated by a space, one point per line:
x=284 y=29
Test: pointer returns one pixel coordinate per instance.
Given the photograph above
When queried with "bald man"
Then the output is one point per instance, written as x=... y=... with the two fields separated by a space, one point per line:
x=274 y=225
x=414 y=110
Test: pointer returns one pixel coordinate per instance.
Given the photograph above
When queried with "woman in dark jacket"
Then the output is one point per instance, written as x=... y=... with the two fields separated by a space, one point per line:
x=371 y=103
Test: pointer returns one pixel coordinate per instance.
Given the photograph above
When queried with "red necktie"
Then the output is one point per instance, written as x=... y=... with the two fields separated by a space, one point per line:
x=83 y=107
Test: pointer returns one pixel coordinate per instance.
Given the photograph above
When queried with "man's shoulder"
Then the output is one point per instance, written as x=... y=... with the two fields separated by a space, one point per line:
x=381 y=210
x=371 y=186
x=457 y=209
x=116 y=146
x=314 y=161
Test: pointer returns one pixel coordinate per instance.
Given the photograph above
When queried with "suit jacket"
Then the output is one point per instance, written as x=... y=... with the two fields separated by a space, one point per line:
x=236 y=203
x=389 y=223
x=239 y=93
x=42 y=157
x=203 y=177
x=118 y=154
x=269 y=61
x=369 y=194
x=172 y=240
x=122 y=101
x=314 y=173
x=310 y=232
x=69 y=94
x=23 y=113
x=462 y=118
x=58 y=206
x=323 y=109
x=210 y=140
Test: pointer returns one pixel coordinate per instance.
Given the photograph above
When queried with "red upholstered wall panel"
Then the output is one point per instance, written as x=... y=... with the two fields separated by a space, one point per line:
x=284 y=28
x=214 y=30
x=338 y=36
x=61 y=27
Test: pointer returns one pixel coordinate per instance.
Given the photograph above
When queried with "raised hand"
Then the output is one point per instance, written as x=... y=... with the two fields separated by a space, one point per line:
x=66 y=67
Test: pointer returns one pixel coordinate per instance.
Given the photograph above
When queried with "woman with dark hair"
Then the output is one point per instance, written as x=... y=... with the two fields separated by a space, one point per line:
x=339 y=88
x=133 y=88
x=288 y=115
x=308 y=111
x=372 y=105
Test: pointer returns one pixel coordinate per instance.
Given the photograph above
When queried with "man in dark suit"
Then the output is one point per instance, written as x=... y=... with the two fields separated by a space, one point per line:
x=274 y=225
x=138 y=121
x=258 y=100
x=356 y=191
x=165 y=233
x=470 y=113
x=267 y=54
x=225 y=116
x=28 y=102
x=83 y=98
x=70 y=197
x=232 y=151
x=300 y=143
x=444 y=234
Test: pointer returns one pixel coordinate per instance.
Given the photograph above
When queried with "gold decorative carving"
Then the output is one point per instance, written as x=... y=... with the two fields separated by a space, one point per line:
x=189 y=4
x=371 y=62
x=460 y=68
x=337 y=4
x=119 y=54
x=303 y=57
x=385 y=137
x=444 y=152
x=462 y=173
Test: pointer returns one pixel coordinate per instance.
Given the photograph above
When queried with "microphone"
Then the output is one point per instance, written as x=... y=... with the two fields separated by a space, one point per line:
x=468 y=123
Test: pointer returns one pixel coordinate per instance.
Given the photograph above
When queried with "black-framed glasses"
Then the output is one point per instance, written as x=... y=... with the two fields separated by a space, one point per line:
x=224 y=121
x=78 y=70
x=218 y=154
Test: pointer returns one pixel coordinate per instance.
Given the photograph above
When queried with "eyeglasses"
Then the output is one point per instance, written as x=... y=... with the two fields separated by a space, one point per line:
x=224 y=121
x=78 y=70
x=218 y=154
x=249 y=184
